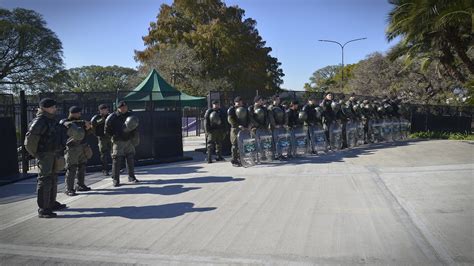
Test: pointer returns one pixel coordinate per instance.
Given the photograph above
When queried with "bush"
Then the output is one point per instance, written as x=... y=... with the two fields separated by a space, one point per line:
x=442 y=135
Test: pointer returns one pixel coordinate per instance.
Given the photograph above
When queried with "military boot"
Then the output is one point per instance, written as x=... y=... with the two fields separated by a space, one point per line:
x=81 y=171
x=116 y=171
x=209 y=156
x=105 y=169
x=131 y=169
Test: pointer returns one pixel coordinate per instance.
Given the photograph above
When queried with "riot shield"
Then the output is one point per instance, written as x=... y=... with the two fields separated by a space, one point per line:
x=264 y=145
x=351 y=134
x=360 y=133
x=404 y=128
x=335 y=136
x=300 y=142
x=318 y=139
x=282 y=141
x=387 y=129
x=396 y=129
x=247 y=148
x=375 y=128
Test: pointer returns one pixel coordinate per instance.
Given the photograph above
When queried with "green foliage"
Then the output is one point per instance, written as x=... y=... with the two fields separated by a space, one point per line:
x=329 y=78
x=377 y=75
x=442 y=135
x=228 y=47
x=30 y=53
x=434 y=31
x=95 y=78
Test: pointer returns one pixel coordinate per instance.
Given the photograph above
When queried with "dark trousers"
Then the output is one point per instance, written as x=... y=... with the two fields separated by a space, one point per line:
x=234 y=132
x=116 y=165
x=105 y=149
x=73 y=171
x=47 y=185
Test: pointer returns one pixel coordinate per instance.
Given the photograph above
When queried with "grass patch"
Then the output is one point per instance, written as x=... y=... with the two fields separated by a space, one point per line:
x=442 y=135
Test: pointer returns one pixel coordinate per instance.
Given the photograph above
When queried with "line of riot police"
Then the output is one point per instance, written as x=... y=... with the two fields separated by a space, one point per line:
x=262 y=132
x=59 y=146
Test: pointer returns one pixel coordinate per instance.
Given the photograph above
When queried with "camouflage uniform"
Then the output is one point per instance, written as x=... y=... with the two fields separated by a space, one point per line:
x=215 y=133
x=76 y=157
x=235 y=124
x=123 y=145
x=44 y=142
x=104 y=140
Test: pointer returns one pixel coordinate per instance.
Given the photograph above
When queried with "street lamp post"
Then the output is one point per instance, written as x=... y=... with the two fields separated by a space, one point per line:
x=342 y=50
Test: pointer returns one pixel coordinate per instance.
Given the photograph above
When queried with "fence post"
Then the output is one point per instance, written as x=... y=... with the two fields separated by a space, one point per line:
x=187 y=126
x=23 y=129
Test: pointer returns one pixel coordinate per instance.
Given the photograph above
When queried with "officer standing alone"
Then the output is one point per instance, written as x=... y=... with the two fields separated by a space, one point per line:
x=43 y=141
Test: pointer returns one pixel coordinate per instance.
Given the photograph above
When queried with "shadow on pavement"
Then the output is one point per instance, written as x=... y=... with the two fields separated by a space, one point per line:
x=164 y=211
x=193 y=180
x=166 y=190
x=177 y=170
x=339 y=156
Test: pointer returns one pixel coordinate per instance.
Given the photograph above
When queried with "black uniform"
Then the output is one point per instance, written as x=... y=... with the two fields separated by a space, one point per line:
x=310 y=111
x=292 y=119
x=328 y=115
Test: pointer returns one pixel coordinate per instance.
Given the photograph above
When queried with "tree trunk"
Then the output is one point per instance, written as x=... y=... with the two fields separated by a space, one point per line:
x=456 y=43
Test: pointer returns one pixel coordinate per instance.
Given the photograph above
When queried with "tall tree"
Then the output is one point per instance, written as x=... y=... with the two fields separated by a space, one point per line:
x=377 y=75
x=30 y=53
x=434 y=30
x=329 y=78
x=228 y=45
x=180 y=66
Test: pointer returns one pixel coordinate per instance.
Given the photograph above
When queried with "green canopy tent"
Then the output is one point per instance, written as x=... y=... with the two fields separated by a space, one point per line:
x=156 y=91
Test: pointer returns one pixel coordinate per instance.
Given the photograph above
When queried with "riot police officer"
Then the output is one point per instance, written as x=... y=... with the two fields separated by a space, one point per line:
x=215 y=127
x=104 y=140
x=238 y=118
x=310 y=111
x=44 y=142
x=292 y=115
x=328 y=115
x=259 y=116
x=122 y=126
x=277 y=112
x=77 y=151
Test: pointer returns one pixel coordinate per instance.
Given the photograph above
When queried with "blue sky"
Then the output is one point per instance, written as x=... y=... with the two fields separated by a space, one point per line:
x=106 y=32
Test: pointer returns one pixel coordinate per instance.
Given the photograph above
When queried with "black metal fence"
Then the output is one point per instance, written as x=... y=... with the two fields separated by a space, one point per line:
x=160 y=122
x=8 y=156
x=192 y=121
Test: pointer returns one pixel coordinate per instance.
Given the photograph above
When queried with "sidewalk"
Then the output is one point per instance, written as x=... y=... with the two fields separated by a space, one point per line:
x=404 y=203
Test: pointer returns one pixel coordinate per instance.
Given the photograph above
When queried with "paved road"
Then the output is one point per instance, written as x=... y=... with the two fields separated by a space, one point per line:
x=404 y=203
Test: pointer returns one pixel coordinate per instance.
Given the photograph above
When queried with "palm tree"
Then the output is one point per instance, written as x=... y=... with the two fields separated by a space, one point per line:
x=430 y=30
